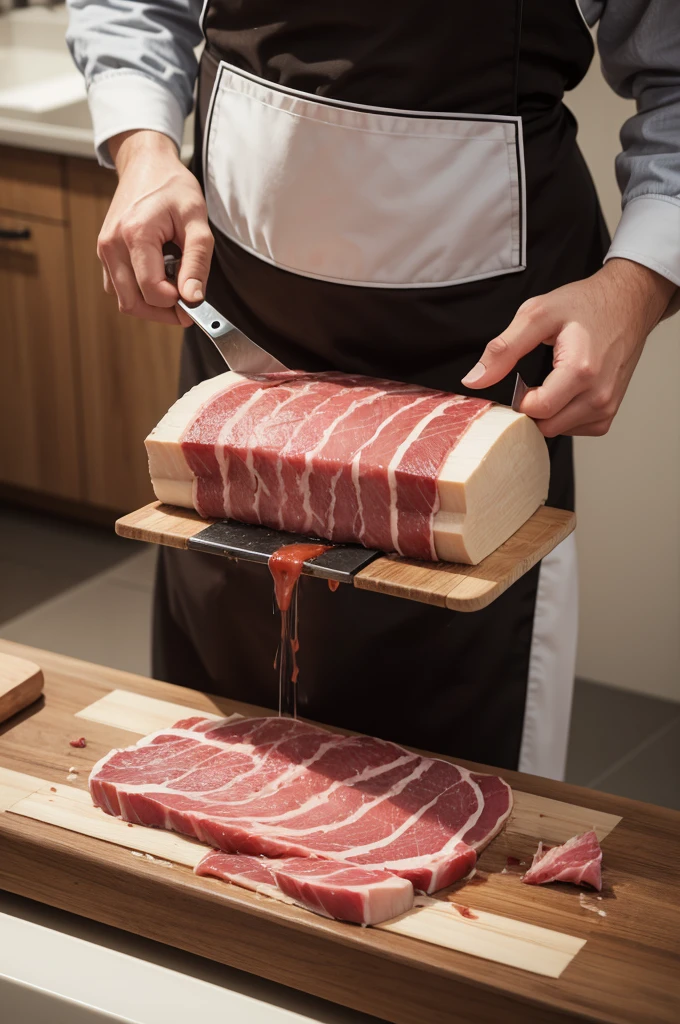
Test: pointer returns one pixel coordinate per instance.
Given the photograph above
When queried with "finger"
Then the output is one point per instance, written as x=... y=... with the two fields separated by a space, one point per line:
x=156 y=314
x=197 y=247
x=576 y=416
x=560 y=387
x=598 y=429
x=535 y=322
x=146 y=259
x=108 y=283
x=124 y=281
x=130 y=299
x=184 y=319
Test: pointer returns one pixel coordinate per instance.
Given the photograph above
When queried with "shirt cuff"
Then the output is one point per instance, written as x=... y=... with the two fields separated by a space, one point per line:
x=122 y=101
x=649 y=233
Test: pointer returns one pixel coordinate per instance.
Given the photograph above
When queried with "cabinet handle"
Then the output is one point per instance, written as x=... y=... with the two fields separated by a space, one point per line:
x=17 y=234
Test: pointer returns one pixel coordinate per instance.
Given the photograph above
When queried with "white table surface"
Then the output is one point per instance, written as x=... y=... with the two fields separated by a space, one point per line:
x=57 y=968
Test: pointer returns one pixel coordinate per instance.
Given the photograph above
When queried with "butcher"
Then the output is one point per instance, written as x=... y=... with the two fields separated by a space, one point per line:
x=393 y=189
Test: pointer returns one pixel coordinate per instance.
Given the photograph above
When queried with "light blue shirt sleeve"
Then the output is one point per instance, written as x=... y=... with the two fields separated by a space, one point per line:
x=639 y=44
x=139 y=64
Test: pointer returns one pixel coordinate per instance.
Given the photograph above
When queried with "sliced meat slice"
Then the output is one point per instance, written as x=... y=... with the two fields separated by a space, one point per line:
x=579 y=861
x=253 y=873
x=277 y=787
x=340 y=891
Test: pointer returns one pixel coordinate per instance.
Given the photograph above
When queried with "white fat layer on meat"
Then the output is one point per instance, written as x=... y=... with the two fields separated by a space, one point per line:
x=255 y=438
x=263 y=888
x=286 y=447
x=320 y=798
x=394 y=465
x=358 y=851
x=357 y=458
x=305 y=489
x=221 y=455
x=279 y=781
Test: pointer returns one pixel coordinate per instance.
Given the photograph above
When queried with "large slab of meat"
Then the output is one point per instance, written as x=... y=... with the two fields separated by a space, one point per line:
x=282 y=788
x=391 y=466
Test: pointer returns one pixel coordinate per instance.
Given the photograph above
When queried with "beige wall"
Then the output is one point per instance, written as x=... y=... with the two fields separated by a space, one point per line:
x=628 y=483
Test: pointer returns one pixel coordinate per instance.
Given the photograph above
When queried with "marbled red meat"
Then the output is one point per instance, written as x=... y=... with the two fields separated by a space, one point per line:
x=343 y=457
x=579 y=861
x=280 y=787
x=342 y=891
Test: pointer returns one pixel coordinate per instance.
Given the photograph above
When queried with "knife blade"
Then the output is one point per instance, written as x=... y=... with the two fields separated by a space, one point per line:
x=239 y=352
x=518 y=394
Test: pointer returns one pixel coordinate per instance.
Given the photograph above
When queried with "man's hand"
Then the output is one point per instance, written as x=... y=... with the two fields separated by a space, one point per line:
x=157 y=200
x=598 y=328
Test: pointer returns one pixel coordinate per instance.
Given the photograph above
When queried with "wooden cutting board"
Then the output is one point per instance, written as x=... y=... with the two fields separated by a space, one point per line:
x=21 y=683
x=514 y=954
x=461 y=588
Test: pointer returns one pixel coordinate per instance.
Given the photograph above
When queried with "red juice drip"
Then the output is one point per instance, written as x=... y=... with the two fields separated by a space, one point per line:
x=464 y=911
x=333 y=585
x=285 y=566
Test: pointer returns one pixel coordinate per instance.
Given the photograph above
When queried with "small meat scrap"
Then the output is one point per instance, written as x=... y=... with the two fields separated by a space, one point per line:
x=579 y=860
x=80 y=742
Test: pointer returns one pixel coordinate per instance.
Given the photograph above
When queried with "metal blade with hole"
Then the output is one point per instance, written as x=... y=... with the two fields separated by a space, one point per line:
x=239 y=352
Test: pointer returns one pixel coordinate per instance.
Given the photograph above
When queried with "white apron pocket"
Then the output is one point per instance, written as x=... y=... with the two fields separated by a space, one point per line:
x=363 y=195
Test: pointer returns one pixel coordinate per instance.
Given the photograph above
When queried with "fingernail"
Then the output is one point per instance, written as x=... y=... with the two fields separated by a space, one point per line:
x=475 y=373
x=195 y=290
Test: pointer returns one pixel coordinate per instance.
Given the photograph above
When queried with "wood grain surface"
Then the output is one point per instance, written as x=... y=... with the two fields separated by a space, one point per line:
x=32 y=184
x=39 y=423
x=21 y=682
x=627 y=970
x=464 y=588
x=129 y=367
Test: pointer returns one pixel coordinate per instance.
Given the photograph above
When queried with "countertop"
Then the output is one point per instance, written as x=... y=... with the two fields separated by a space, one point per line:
x=43 y=103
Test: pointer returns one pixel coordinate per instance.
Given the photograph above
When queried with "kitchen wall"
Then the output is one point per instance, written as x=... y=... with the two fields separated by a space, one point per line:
x=628 y=483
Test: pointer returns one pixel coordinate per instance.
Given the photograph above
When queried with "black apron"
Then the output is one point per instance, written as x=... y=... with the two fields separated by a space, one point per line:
x=444 y=681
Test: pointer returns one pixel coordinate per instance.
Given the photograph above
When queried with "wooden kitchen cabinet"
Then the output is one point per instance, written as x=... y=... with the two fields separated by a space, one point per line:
x=128 y=368
x=39 y=416
x=80 y=385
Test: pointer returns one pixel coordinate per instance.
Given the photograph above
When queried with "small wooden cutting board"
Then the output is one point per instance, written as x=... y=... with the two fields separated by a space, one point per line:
x=460 y=588
x=21 y=682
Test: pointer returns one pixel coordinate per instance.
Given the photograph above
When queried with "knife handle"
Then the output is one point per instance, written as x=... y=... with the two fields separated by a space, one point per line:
x=203 y=314
x=207 y=318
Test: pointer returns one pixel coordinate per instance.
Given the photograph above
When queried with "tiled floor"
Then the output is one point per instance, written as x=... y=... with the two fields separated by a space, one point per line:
x=83 y=591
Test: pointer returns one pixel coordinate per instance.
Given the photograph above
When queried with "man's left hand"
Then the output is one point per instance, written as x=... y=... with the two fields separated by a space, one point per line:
x=598 y=328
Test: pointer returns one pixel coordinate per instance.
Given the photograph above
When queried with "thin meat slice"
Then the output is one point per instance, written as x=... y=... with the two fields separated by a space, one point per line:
x=278 y=787
x=252 y=873
x=340 y=891
x=579 y=861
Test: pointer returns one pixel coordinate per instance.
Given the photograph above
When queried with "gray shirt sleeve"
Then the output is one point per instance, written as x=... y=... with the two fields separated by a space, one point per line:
x=139 y=64
x=639 y=44
x=140 y=68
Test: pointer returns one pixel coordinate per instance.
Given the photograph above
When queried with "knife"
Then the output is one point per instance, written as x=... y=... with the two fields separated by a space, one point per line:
x=237 y=350
x=518 y=394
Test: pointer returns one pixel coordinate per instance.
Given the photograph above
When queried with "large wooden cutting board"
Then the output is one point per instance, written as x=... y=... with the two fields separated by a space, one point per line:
x=461 y=588
x=517 y=954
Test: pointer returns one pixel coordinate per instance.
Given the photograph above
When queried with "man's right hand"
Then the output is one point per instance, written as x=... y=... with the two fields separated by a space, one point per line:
x=158 y=200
